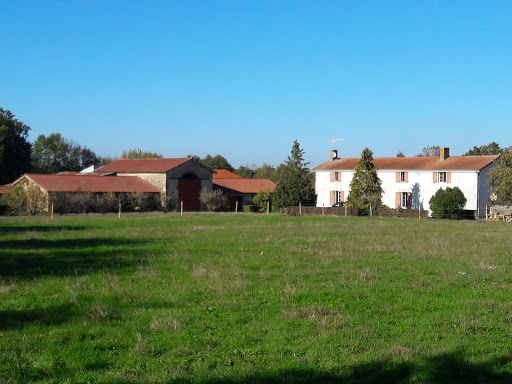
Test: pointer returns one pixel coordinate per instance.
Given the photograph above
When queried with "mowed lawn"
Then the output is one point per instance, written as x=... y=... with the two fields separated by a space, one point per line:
x=214 y=298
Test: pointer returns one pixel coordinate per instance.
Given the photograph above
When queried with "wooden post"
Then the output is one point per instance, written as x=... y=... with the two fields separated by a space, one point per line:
x=236 y=207
x=182 y=208
x=268 y=207
x=52 y=212
x=345 y=209
x=300 y=209
x=371 y=210
x=119 y=209
x=419 y=211
x=486 y=212
x=323 y=206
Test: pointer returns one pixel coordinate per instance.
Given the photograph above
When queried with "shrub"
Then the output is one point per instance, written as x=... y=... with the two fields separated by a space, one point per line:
x=60 y=202
x=141 y=202
x=82 y=202
x=251 y=208
x=215 y=201
x=35 y=199
x=109 y=202
x=448 y=203
x=261 y=199
x=15 y=199
x=171 y=203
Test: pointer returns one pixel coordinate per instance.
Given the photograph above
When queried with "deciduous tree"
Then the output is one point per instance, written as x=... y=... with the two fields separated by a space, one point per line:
x=500 y=179
x=15 y=150
x=137 y=153
x=489 y=149
x=432 y=150
x=245 y=172
x=217 y=162
x=54 y=153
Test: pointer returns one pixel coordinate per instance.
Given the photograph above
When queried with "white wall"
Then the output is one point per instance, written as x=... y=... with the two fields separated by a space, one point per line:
x=420 y=184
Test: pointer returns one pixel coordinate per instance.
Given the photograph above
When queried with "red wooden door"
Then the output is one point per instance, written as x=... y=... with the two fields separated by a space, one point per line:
x=189 y=190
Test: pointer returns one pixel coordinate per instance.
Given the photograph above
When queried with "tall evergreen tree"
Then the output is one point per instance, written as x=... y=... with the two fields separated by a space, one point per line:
x=14 y=147
x=365 y=187
x=295 y=182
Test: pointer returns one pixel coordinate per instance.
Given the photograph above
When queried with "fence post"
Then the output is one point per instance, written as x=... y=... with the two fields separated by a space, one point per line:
x=323 y=205
x=300 y=209
x=268 y=206
x=52 y=212
x=182 y=208
x=236 y=207
x=119 y=209
x=486 y=212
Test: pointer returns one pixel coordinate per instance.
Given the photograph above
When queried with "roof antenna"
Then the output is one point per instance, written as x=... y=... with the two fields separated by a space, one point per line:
x=333 y=141
x=333 y=153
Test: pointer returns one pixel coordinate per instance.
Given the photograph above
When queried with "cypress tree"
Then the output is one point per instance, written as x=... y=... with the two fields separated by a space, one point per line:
x=294 y=185
x=365 y=187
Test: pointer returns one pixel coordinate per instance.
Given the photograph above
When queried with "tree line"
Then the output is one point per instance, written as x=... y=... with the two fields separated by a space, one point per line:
x=294 y=180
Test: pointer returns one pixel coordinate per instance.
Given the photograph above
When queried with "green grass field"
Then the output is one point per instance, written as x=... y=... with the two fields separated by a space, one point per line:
x=214 y=298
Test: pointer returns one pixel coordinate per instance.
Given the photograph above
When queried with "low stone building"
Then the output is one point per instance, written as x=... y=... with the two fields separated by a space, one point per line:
x=179 y=179
x=89 y=184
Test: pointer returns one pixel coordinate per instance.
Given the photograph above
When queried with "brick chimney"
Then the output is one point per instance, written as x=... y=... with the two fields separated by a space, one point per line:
x=445 y=153
x=333 y=154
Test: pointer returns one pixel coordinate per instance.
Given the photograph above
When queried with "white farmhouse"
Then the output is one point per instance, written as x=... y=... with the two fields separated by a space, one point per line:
x=410 y=182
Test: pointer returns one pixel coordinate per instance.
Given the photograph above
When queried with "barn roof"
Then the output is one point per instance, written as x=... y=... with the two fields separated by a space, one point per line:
x=413 y=163
x=5 y=188
x=143 y=165
x=246 y=185
x=79 y=183
x=225 y=174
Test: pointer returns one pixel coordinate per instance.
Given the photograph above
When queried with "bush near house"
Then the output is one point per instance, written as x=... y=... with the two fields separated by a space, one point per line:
x=215 y=201
x=261 y=199
x=448 y=203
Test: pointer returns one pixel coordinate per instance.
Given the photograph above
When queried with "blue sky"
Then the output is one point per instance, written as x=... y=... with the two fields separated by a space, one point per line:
x=245 y=78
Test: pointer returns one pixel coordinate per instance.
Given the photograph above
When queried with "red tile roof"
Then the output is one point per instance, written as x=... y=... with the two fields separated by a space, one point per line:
x=246 y=185
x=60 y=183
x=142 y=165
x=4 y=188
x=413 y=163
x=225 y=174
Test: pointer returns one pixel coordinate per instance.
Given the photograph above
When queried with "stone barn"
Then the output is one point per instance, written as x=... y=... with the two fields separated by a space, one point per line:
x=178 y=179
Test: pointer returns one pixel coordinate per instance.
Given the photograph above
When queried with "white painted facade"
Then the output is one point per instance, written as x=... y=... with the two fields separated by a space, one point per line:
x=414 y=191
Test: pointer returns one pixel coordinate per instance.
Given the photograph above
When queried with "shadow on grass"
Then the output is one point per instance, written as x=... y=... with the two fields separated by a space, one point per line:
x=31 y=258
x=441 y=369
x=48 y=316
x=40 y=228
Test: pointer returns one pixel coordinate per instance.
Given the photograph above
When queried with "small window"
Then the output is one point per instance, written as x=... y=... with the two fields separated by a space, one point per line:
x=336 y=176
x=441 y=177
x=402 y=176
x=403 y=200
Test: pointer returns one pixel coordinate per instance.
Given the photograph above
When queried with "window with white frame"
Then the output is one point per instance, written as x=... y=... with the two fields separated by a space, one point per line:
x=403 y=200
x=441 y=177
x=402 y=177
